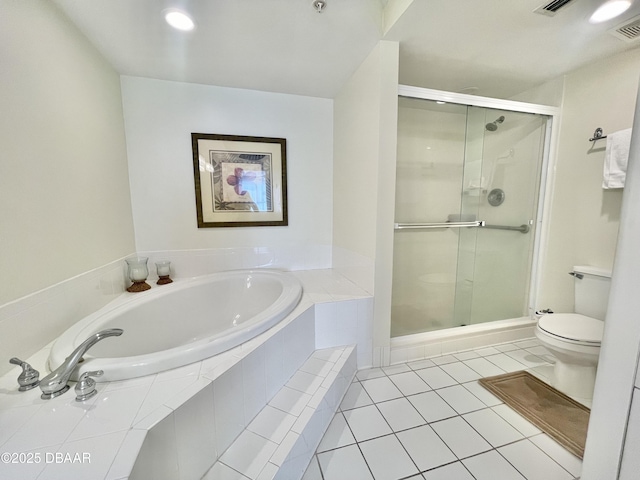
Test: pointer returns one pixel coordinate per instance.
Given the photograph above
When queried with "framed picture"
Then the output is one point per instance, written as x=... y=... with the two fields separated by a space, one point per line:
x=239 y=181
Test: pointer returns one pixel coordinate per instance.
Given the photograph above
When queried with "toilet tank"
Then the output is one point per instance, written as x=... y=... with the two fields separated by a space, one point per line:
x=592 y=291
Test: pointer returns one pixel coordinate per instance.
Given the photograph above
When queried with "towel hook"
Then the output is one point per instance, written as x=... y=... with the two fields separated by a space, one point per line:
x=597 y=135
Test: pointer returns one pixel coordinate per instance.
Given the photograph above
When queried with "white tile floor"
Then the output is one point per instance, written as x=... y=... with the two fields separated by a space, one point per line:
x=431 y=420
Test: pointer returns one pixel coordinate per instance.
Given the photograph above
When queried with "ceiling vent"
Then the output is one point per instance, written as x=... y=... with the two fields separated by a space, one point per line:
x=551 y=8
x=628 y=31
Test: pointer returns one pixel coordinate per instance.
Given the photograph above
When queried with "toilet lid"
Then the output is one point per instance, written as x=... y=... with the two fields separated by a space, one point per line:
x=573 y=326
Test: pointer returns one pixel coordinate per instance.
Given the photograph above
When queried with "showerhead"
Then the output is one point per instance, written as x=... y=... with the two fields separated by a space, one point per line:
x=493 y=126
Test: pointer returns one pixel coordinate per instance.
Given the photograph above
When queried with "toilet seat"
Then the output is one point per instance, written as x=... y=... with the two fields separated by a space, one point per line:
x=573 y=328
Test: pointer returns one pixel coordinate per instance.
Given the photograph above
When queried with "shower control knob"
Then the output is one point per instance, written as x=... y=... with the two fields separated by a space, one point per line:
x=86 y=386
x=29 y=378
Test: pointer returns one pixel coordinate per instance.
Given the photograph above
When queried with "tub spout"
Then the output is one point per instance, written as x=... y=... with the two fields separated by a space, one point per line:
x=55 y=383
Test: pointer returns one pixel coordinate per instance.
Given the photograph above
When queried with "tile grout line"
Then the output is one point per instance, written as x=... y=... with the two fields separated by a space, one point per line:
x=427 y=423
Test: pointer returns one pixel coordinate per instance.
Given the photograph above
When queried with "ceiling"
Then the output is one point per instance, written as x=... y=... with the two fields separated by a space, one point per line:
x=499 y=47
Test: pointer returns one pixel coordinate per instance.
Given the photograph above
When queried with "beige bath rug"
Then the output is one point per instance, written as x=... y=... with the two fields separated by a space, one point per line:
x=559 y=416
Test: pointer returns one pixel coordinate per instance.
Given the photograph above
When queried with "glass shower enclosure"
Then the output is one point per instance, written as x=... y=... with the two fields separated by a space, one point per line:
x=467 y=193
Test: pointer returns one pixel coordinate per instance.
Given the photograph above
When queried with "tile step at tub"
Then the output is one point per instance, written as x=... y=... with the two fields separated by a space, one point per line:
x=281 y=440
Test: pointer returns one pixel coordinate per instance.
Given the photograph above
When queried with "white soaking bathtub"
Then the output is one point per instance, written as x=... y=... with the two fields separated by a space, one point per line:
x=184 y=322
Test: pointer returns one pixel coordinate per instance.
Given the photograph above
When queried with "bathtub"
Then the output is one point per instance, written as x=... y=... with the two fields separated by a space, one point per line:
x=184 y=322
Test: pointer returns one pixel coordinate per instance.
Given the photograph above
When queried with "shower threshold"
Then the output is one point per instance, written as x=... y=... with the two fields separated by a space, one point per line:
x=453 y=340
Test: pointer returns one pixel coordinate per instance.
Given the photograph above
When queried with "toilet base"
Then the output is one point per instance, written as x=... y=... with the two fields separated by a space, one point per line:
x=574 y=380
x=574 y=372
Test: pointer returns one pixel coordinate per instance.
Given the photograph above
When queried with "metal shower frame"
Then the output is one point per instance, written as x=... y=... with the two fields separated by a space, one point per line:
x=548 y=162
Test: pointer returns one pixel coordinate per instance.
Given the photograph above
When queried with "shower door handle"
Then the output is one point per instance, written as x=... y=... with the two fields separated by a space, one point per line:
x=524 y=228
x=406 y=226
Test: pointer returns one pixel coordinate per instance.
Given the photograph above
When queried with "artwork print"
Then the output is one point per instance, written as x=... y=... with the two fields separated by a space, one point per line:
x=239 y=181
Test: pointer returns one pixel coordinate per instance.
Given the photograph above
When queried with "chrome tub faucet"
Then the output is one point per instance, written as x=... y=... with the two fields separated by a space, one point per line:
x=56 y=382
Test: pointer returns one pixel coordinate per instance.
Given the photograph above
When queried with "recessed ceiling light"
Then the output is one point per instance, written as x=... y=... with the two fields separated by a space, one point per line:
x=609 y=10
x=178 y=19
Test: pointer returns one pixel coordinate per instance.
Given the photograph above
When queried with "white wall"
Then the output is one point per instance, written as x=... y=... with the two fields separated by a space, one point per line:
x=65 y=211
x=618 y=356
x=549 y=93
x=365 y=133
x=356 y=132
x=63 y=169
x=160 y=117
x=584 y=218
x=583 y=224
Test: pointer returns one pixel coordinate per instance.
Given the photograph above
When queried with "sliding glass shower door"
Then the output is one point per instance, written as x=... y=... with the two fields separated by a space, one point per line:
x=466 y=196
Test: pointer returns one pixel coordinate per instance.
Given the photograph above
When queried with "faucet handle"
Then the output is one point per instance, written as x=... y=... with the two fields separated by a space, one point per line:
x=29 y=378
x=86 y=386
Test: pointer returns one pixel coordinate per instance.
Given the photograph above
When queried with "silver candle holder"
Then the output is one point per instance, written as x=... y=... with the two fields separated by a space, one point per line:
x=163 y=268
x=138 y=273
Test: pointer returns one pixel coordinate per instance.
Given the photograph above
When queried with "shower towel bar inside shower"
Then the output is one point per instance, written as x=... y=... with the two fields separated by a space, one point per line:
x=524 y=228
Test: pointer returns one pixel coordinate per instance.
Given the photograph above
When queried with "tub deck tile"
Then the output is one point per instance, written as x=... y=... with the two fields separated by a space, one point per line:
x=300 y=420
x=159 y=396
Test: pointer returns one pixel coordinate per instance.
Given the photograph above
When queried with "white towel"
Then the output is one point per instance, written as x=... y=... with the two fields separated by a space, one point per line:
x=615 y=159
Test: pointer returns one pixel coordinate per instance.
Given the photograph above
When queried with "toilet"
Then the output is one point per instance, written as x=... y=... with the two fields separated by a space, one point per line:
x=575 y=338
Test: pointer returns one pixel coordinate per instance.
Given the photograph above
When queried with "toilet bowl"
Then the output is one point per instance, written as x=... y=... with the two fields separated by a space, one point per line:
x=574 y=340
